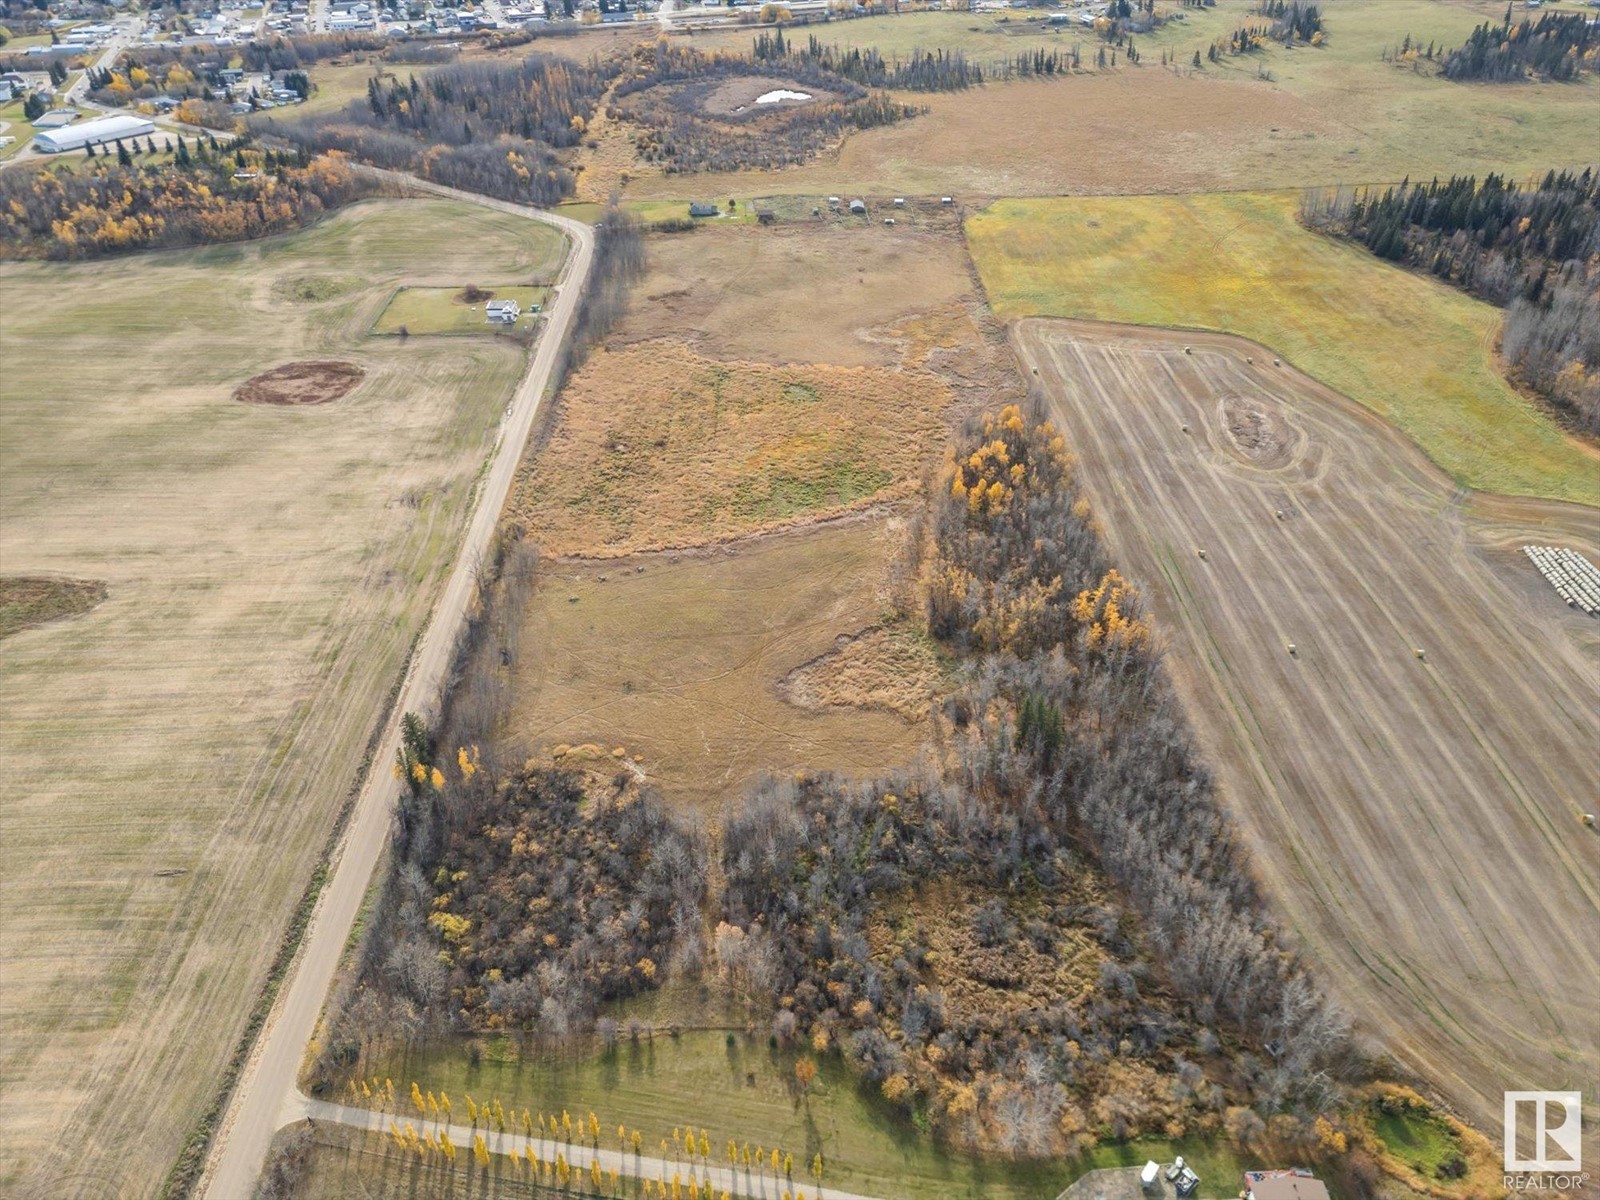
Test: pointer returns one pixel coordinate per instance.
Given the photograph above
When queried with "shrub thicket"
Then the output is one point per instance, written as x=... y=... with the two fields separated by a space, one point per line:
x=1067 y=756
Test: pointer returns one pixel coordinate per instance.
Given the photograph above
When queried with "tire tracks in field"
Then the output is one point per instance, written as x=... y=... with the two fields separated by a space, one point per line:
x=1401 y=810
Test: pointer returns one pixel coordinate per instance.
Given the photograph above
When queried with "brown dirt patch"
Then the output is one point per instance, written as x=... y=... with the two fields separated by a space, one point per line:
x=30 y=600
x=301 y=383
x=473 y=294
x=1256 y=432
x=884 y=669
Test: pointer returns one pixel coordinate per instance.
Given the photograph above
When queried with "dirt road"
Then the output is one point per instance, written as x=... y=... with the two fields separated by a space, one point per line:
x=265 y=1094
x=1411 y=773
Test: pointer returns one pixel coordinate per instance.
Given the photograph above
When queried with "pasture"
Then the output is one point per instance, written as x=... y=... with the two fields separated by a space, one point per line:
x=1274 y=118
x=179 y=751
x=1416 y=352
x=1399 y=710
x=761 y=377
x=682 y=661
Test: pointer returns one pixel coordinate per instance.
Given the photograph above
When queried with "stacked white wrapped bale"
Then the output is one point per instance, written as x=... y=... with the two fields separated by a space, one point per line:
x=1575 y=578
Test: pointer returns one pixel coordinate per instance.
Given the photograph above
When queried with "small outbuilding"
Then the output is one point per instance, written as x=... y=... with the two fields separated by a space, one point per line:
x=702 y=208
x=858 y=207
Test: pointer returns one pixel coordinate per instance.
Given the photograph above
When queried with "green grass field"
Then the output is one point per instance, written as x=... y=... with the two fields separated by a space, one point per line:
x=1420 y=1140
x=741 y=1090
x=439 y=310
x=1414 y=351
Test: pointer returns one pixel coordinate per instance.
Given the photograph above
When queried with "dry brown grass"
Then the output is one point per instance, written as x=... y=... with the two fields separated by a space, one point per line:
x=889 y=668
x=660 y=447
x=1337 y=113
x=811 y=292
x=985 y=979
x=679 y=658
x=1063 y=137
x=822 y=363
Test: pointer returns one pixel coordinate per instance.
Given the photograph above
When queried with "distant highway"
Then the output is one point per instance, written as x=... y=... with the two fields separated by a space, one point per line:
x=266 y=1096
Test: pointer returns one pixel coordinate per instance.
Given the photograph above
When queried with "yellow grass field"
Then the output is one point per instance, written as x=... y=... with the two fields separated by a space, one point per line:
x=659 y=446
x=178 y=753
x=1414 y=351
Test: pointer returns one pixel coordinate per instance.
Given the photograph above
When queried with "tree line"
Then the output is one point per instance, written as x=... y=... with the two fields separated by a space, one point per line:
x=1555 y=47
x=1534 y=251
x=1293 y=19
x=206 y=195
x=924 y=71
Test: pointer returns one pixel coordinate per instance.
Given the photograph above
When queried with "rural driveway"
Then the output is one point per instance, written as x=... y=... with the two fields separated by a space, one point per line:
x=731 y=1180
x=265 y=1095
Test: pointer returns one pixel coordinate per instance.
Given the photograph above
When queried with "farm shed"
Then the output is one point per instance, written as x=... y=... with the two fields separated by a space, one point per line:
x=100 y=132
x=702 y=209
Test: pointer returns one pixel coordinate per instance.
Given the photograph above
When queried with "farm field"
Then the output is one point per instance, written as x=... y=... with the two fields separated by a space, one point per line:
x=1414 y=351
x=680 y=659
x=422 y=310
x=1398 y=804
x=1330 y=114
x=181 y=749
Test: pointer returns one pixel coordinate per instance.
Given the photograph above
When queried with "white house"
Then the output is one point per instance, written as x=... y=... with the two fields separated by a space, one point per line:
x=503 y=312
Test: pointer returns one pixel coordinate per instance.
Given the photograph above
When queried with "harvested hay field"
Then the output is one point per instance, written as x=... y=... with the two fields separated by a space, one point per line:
x=659 y=447
x=301 y=383
x=177 y=755
x=1411 y=774
x=680 y=658
x=30 y=600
